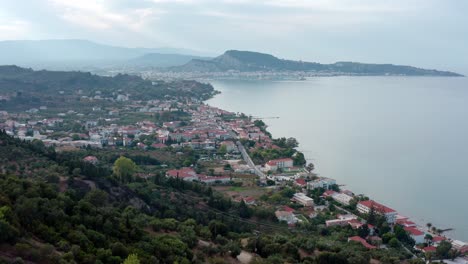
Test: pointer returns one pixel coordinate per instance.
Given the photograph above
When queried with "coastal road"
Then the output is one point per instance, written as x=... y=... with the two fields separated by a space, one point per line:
x=249 y=161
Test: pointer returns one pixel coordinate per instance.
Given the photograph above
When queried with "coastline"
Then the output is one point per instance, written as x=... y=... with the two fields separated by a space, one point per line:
x=449 y=233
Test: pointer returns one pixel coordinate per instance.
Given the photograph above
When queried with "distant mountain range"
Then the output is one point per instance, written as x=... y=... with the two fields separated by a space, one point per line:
x=76 y=54
x=87 y=55
x=247 y=61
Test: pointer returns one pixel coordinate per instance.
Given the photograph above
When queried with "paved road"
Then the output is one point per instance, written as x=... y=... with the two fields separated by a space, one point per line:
x=249 y=161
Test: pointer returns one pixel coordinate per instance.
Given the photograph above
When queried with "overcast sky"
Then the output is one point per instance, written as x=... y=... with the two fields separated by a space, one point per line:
x=425 y=33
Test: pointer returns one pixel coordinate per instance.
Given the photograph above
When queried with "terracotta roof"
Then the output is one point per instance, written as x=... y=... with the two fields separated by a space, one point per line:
x=438 y=238
x=249 y=199
x=378 y=207
x=414 y=231
x=328 y=193
x=429 y=249
x=287 y=209
x=301 y=181
x=182 y=173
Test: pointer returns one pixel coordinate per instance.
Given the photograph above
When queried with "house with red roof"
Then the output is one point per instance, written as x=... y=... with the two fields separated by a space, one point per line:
x=274 y=165
x=362 y=241
x=366 y=206
x=437 y=239
x=286 y=214
x=300 y=182
x=186 y=174
x=429 y=249
x=415 y=234
x=249 y=200
x=328 y=193
x=406 y=223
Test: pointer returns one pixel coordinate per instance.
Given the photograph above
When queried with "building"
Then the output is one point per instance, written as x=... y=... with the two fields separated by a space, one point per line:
x=286 y=214
x=214 y=179
x=249 y=200
x=460 y=246
x=303 y=199
x=437 y=239
x=342 y=220
x=429 y=249
x=325 y=183
x=415 y=234
x=342 y=198
x=230 y=146
x=274 y=165
x=300 y=182
x=365 y=207
x=186 y=174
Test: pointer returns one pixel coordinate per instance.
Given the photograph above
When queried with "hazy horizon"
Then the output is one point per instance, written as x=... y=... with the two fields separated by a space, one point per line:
x=429 y=34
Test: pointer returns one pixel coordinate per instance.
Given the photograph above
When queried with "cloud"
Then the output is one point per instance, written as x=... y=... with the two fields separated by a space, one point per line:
x=98 y=15
x=13 y=28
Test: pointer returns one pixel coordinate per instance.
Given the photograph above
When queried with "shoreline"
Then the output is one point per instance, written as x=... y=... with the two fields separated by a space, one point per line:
x=449 y=233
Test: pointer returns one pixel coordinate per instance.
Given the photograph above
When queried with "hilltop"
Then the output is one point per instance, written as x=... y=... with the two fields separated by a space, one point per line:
x=248 y=61
x=75 y=54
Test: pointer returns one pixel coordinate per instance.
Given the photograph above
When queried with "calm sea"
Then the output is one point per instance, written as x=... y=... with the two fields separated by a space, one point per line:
x=401 y=140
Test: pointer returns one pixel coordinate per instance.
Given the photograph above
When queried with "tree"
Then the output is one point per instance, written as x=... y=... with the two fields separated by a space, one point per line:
x=428 y=238
x=443 y=249
x=132 y=259
x=244 y=210
x=429 y=225
x=124 y=168
x=363 y=231
x=371 y=218
x=222 y=150
x=310 y=167
x=394 y=243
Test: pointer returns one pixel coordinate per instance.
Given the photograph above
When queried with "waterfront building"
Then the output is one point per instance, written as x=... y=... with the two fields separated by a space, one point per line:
x=415 y=234
x=342 y=198
x=325 y=183
x=365 y=207
x=274 y=165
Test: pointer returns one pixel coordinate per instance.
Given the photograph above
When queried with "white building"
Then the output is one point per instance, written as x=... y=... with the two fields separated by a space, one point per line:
x=341 y=220
x=342 y=198
x=325 y=183
x=214 y=179
x=365 y=207
x=276 y=164
x=303 y=199
x=415 y=234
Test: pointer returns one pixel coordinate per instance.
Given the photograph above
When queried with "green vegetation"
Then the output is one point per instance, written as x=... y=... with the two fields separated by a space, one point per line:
x=71 y=211
x=61 y=90
x=124 y=168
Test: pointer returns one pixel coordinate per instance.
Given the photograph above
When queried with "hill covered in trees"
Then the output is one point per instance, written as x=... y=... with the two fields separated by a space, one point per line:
x=65 y=210
x=28 y=88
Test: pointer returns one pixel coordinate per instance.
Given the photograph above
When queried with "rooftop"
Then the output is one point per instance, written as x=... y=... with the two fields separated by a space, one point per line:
x=378 y=207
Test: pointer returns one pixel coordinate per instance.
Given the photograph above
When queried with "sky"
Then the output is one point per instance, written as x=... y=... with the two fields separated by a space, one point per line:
x=424 y=33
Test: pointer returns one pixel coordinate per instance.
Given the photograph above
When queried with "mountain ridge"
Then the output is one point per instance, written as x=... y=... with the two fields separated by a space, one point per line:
x=249 y=61
x=77 y=54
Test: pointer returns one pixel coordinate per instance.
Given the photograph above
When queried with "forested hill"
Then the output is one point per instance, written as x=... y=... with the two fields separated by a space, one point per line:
x=247 y=61
x=34 y=88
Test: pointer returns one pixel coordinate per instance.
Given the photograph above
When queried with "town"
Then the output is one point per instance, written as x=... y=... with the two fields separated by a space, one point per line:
x=236 y=155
